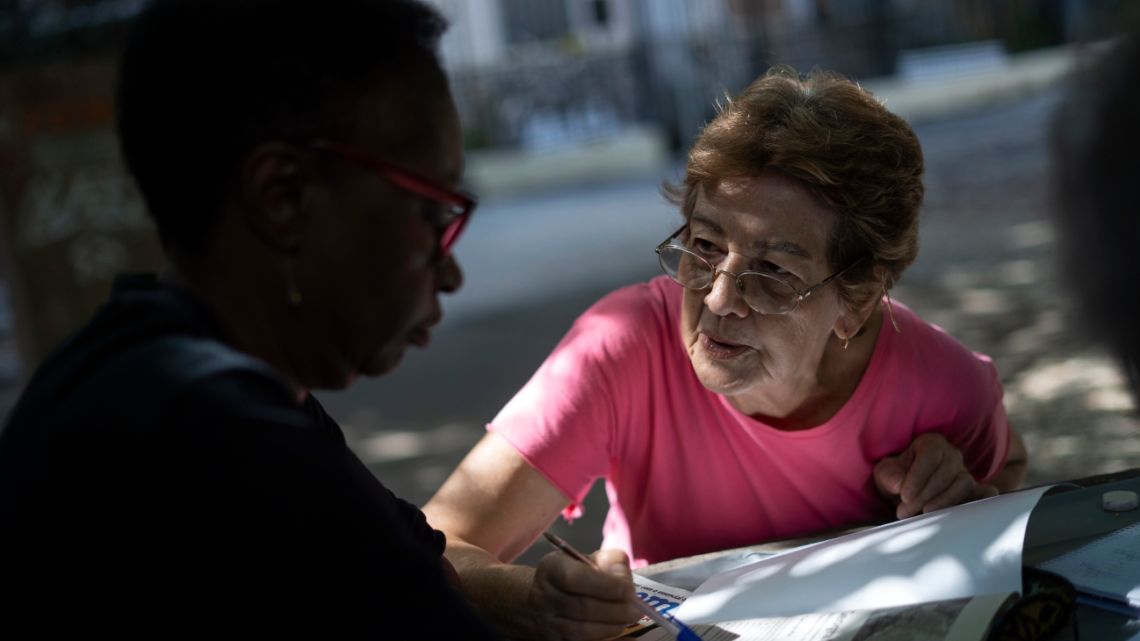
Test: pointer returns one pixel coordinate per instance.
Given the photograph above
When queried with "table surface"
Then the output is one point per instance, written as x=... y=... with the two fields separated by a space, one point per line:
x=1067 y=517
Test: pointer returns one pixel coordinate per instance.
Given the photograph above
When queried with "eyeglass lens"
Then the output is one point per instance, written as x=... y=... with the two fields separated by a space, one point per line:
x=765 y=294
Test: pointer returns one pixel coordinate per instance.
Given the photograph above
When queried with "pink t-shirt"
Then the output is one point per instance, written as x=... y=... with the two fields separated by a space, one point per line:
x=686 y=473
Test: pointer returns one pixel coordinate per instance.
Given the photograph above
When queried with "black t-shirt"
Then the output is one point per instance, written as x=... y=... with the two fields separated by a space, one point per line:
x=156 y=483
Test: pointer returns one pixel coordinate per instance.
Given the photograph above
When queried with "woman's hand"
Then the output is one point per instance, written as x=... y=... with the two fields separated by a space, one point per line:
x=574 y=601
x=929 y=475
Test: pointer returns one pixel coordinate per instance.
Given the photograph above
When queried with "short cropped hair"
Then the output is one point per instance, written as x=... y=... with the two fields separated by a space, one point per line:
x=859 y=159
x=203 y=82
x=1096 y=170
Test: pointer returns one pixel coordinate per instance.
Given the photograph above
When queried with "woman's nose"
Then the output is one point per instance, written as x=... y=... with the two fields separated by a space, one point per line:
x=723 y=299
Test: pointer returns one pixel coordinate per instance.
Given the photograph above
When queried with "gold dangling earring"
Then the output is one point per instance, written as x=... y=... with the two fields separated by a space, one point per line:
x=891 y=310
x=846 y=342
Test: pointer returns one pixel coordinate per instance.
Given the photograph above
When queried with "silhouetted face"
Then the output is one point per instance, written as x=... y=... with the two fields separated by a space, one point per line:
x=372 y=261
x=770 y=224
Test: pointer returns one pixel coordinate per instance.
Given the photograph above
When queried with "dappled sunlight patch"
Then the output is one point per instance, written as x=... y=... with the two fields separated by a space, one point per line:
x=1117 y=425
x=1114 y=465
x=390 y=446
x=769 y=570
x=887 y=541
x=907 y=540
x=946 y=571
x=829 y=556
x=1046 y=325
x=960 y=278
x=1094 y=444
x=1113 y=399
x=1005 y=547
x=1078 y=374
x=1129 y=447
x=1032 y=234
x=1058 y=446
x=1019 y=272
x=984 y=301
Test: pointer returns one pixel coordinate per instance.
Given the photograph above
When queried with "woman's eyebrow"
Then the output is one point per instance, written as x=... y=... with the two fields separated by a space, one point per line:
x=784 y=246
x=704 y=221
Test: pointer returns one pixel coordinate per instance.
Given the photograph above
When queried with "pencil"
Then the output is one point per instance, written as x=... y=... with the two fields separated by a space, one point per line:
x=672 y=625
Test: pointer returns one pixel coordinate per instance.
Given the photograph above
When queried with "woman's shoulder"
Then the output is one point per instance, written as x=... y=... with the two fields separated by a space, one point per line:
x=179 y=385
x=642 y=298
x=927 y=347
x=626 y=330
x=633 y=310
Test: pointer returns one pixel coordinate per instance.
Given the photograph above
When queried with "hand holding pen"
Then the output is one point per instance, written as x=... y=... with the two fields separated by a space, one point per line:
x=673 y=626
x=572 y=601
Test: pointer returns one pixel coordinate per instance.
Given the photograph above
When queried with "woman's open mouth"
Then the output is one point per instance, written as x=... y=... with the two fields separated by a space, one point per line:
x=721 y=349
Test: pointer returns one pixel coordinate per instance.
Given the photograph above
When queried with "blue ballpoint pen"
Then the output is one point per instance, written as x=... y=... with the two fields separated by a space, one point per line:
x=673 y=626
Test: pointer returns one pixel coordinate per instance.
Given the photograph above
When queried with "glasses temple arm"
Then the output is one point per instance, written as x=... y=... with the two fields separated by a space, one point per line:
x=830 y=278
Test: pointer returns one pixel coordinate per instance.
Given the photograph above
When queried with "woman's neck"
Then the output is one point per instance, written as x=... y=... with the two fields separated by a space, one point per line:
x=813 y=400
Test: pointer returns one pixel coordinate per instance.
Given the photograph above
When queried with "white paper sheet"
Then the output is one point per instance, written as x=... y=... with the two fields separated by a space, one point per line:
x=958 y=552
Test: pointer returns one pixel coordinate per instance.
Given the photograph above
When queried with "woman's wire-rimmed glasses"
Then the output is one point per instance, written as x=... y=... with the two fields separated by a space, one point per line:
x=457 y=205
x=763 y=293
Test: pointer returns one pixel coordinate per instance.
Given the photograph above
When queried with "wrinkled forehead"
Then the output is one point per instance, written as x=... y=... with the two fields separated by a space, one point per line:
x=768 y=211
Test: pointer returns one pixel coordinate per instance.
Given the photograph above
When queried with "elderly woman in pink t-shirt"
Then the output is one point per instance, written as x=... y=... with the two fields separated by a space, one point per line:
x=764 y=387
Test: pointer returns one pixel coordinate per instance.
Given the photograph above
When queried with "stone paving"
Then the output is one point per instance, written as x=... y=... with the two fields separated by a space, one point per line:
x=988 y=274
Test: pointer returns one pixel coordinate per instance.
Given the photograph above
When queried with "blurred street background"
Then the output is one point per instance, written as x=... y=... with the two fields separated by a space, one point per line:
x=575 y=111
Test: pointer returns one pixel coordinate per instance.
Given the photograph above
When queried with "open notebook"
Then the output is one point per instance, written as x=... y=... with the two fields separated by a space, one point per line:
x=1107 y=569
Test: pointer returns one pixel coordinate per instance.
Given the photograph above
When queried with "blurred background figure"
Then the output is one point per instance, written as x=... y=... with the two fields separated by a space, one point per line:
x=574 y=111
x=1095 y=173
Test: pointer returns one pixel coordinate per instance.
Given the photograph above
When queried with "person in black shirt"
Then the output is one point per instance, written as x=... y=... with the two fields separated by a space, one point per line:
x=166 y=473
